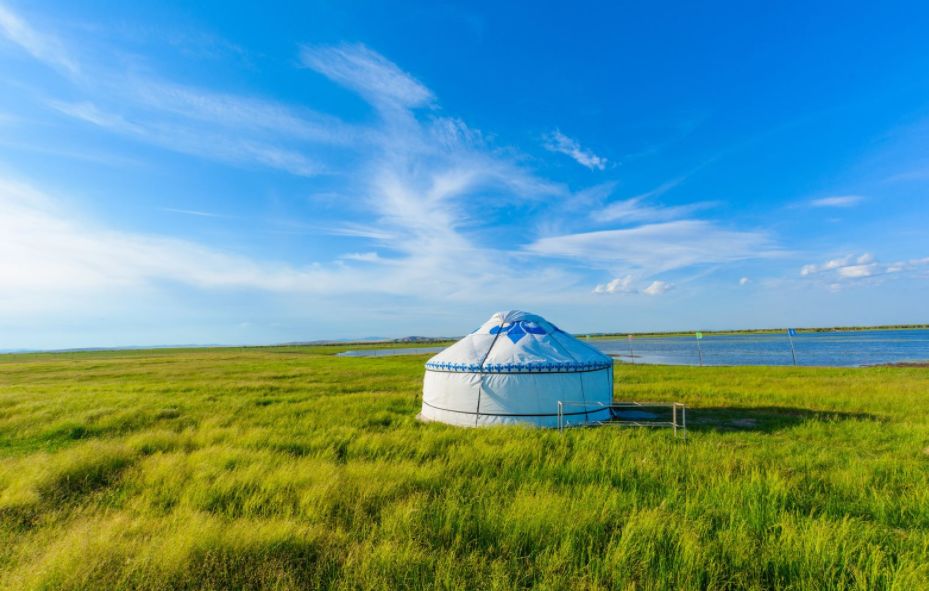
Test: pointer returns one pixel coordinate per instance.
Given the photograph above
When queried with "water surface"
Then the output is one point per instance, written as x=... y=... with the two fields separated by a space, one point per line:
x=837 y=349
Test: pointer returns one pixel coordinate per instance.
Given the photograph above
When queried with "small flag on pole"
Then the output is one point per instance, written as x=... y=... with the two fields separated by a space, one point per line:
x=699 y=335
x=791 y=333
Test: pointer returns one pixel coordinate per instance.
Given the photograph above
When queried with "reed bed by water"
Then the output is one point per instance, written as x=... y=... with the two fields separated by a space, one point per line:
x=288 y=468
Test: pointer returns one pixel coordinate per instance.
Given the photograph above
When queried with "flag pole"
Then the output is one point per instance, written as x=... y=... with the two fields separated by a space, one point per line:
x=699 y=336
x=790 y=337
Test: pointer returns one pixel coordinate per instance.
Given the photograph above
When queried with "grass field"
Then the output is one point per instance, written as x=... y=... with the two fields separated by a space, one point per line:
x=287 y=468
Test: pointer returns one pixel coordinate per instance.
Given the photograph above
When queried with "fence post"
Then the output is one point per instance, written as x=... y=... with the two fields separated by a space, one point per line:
x=684 y=420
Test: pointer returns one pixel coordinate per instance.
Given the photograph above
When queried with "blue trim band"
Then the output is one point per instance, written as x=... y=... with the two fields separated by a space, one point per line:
x=536 y=367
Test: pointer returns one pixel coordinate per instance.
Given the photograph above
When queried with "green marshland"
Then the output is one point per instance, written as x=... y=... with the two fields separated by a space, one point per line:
x=289 y=468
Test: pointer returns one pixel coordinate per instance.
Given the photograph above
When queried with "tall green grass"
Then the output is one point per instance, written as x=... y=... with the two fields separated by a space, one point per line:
x=287 y=468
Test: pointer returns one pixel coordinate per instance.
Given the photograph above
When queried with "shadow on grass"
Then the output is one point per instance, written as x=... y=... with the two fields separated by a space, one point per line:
x=763 y=419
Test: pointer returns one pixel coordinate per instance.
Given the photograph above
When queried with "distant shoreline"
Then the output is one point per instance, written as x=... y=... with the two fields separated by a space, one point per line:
x=420 y=341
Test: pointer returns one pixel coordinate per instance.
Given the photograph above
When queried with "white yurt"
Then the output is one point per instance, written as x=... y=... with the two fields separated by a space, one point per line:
x=515 y=369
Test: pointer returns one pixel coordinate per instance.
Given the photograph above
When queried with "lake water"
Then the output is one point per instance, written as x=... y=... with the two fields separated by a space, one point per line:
x=838 y=349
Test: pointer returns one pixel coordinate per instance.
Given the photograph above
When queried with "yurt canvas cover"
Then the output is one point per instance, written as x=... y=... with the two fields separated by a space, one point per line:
x=514 y=369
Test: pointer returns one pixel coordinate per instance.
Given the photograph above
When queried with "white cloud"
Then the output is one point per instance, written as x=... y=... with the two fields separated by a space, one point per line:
x=42 y=47
x=50 y=249
x=632 y=210
x=368 y=73
x=851 y=268
x=625 y=285
x=658 y=288
x=660 y=247
x=744 y=281
x=837 y=201
x=54 y=255
x=559 y=142
x=617 y=285
x=636 y=209
x=216 y=144
x=236 y=113
x=364 y=257
x=856 y=271
x=233 y=129
x=836 y=264
x=193 y=212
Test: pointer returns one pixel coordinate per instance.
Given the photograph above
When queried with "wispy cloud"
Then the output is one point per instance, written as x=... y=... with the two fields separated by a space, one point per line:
x=633 y=210
x=655 y=248
x=233 y=129
x=368 y=73
x=49 y=248
x=193 y=212
x=199 y=142
x=837 y=201
x=559 y=142
x=364 y=257
x=636 y=209
x=43 y=47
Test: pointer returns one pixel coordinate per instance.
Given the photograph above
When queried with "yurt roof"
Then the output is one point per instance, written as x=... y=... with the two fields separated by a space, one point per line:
x=519 y=342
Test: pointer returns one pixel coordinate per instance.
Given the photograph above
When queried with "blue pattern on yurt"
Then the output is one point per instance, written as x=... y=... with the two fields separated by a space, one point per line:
x=519 y=329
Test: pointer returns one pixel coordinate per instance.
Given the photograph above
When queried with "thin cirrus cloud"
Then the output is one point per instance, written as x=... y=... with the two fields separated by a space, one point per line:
x=837 y=201
x=237 y=130
x=49 y=248
x=367 y=72
x=211 y=144
x=634 y=210
x=559 y=142
x=638 y=209
x=654 y=248
x=45 y=48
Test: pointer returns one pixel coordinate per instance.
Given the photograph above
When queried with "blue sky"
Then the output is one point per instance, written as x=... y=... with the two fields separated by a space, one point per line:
x=177 y=173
